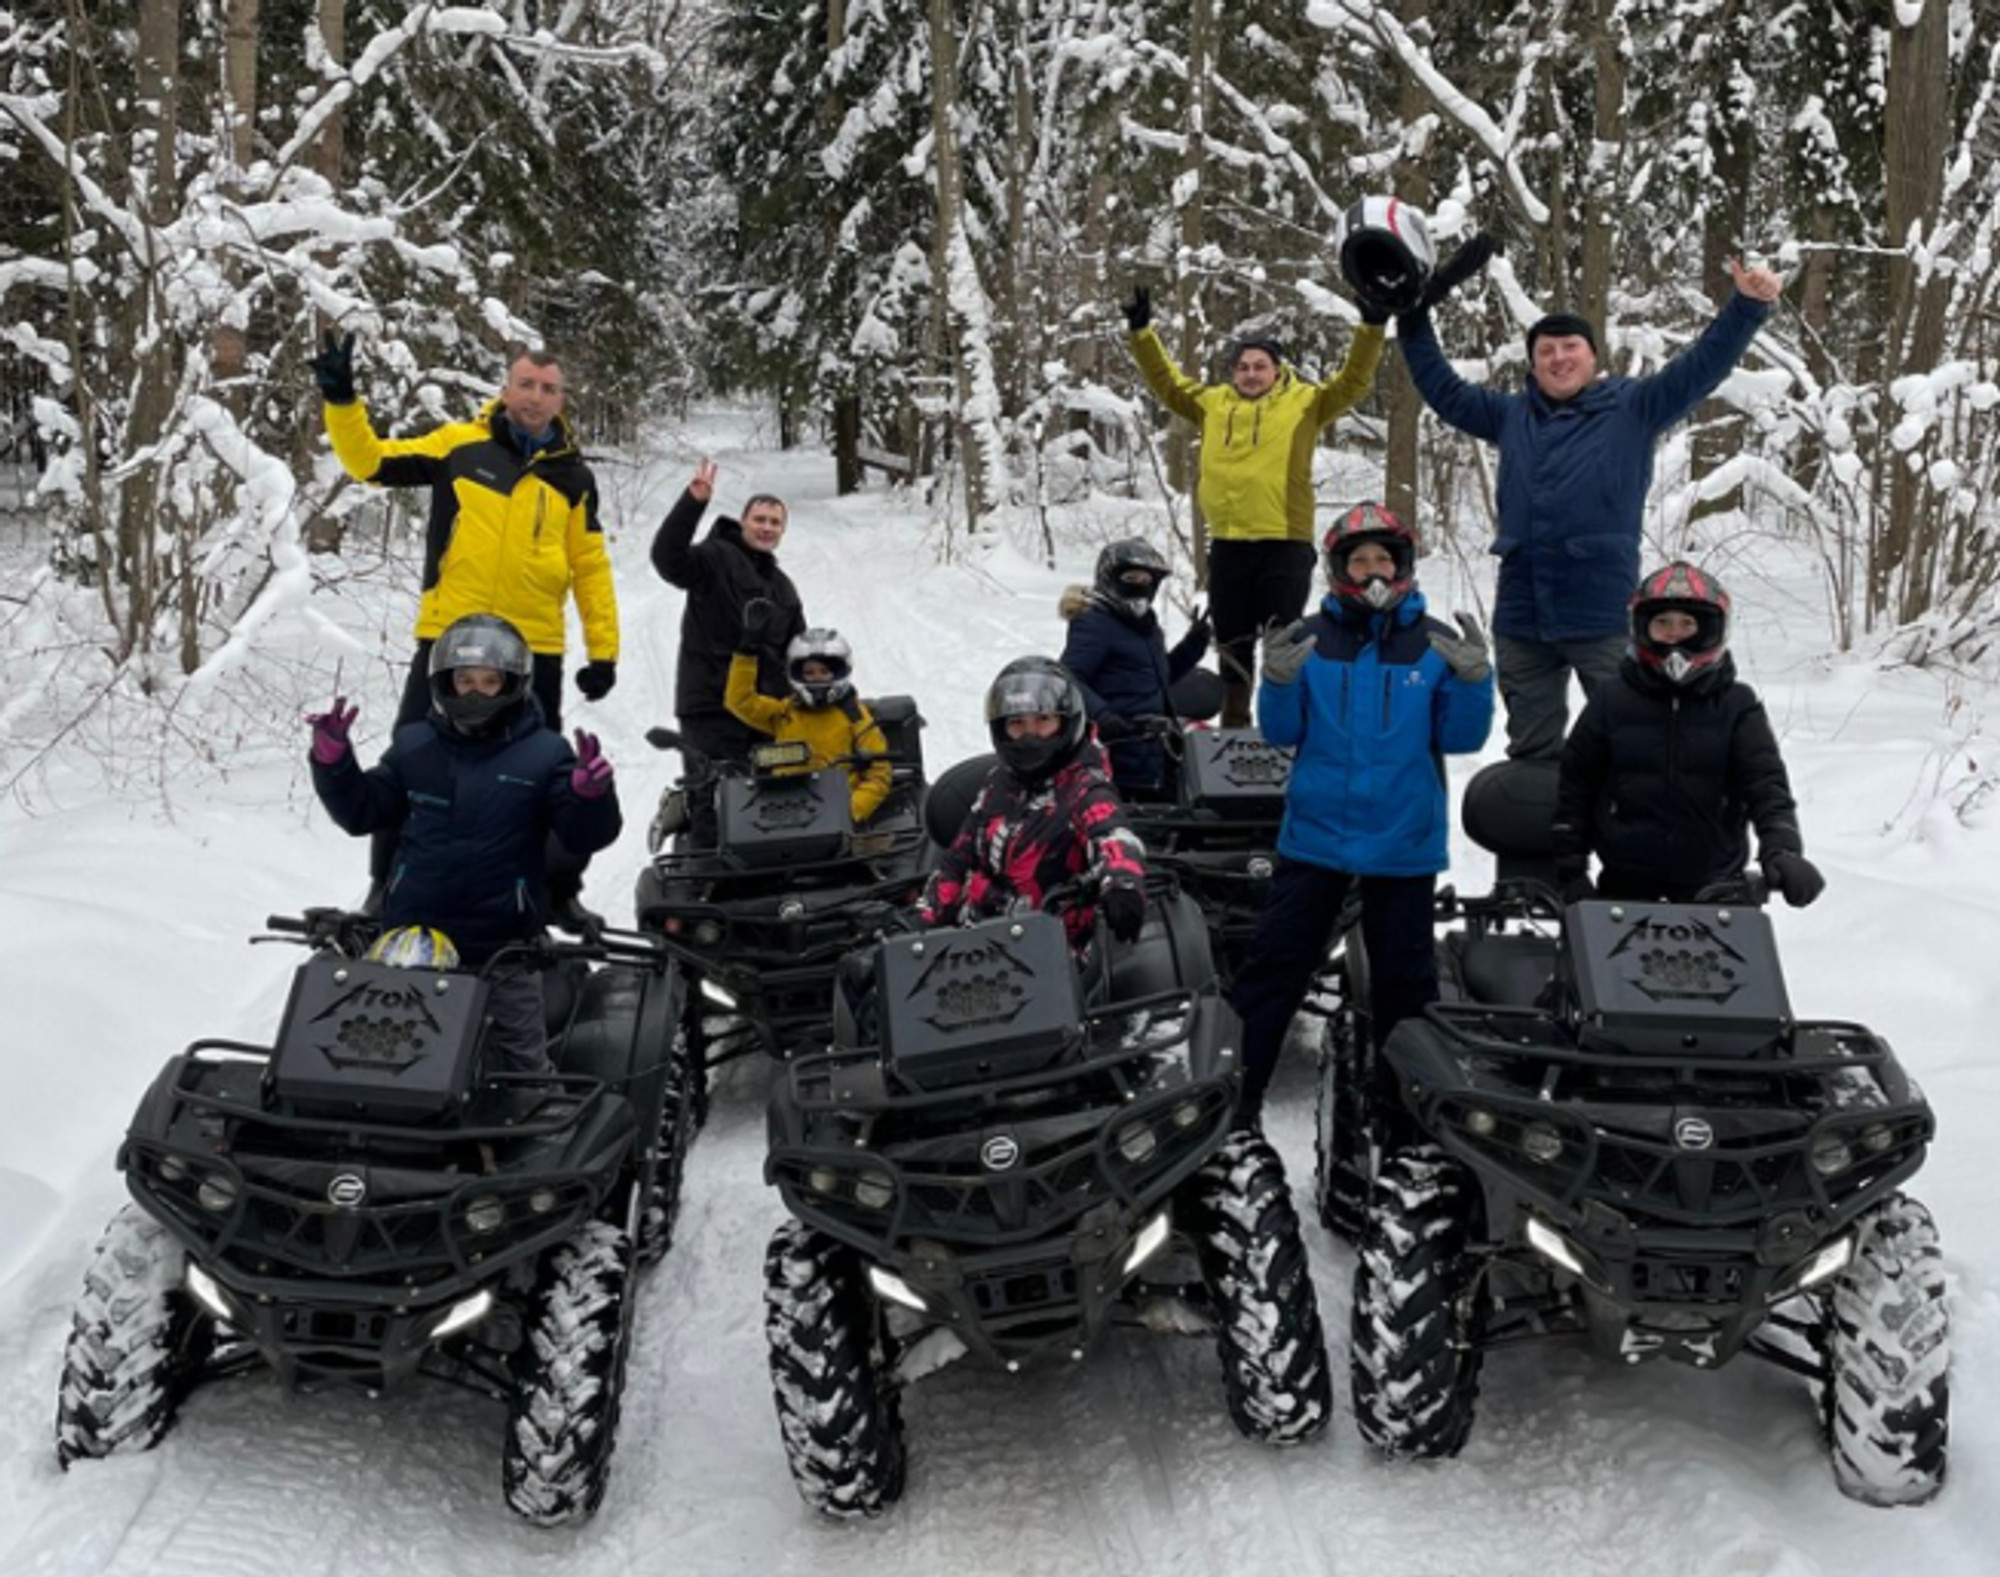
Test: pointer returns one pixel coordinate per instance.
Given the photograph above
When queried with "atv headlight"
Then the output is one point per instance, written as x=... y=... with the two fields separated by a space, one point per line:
x=706 y=934
x=217 y=1193
x=484 y=1214
x=205 y=1291
x=467 y=1311
x=892 y=1287
x=1151 y=1239
x=1541 y=1143
x=172 y=1169
x=1831 y=1153
x=1480 y=1122
x=1877 y=1137
x=1136 y=1143
x=873 y=1191
x=1830 y=1259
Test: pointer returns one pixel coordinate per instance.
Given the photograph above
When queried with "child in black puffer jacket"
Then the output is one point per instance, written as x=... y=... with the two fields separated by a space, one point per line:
x=1666 y=770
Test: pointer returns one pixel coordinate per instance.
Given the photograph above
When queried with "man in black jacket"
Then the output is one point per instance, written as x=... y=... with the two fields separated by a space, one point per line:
x=734 y=565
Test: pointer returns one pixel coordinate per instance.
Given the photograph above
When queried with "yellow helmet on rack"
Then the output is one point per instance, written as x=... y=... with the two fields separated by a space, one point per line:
x=414 y=947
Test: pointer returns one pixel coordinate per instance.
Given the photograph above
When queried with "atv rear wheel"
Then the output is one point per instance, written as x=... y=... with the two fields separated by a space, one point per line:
x=677 y=1131
x=562 y=1420
x=1344 y=1174
x=1414 y=1350
x=1268 y=1332
x=1886 y=1398
x=837 y=1405
x=136 y=1342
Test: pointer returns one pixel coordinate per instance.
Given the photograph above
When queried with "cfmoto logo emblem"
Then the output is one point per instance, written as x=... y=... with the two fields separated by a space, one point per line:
x=347 y=1190
x=1000 y=1152
x=1693 y=1133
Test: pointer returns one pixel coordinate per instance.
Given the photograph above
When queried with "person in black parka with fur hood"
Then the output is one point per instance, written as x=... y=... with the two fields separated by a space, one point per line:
x=1119 y=656
x=735 y=564
x=1667 y=769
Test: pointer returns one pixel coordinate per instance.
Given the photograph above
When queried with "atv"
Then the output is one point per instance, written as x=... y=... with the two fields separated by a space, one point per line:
x=1005 y=1151
x=761 y=914
x=1654 y=1154
x=362 y=1202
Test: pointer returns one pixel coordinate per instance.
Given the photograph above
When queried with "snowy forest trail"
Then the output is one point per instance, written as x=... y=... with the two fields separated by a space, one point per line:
x=1124 y=1465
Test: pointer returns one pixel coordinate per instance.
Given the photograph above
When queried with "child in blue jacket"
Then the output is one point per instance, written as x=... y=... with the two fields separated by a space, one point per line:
x=1372 y=694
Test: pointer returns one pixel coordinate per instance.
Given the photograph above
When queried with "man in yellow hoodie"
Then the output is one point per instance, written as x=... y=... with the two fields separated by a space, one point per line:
x=513 y=531
x=1258 y=432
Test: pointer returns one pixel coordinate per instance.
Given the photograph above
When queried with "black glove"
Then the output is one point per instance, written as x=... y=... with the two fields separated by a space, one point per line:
x=1110 y=729
x=1573 y=881
x=759 y=614
x=1139 y=310
x=1124 y=911
x=1795 y=877
x=1200 y=624
x=1467 y=260
x=1372 y=311
x=596 y=678
x=333 y=368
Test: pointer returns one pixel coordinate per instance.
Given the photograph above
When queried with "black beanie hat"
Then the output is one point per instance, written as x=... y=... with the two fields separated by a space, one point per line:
x=1561 y=325
x=1269 y=344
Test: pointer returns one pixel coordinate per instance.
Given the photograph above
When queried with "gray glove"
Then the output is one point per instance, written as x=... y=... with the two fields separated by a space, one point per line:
x=1285 y=651
x=1468 y=654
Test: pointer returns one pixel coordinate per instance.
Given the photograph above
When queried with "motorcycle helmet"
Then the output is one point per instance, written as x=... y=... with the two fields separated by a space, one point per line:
x=1370 y=523
x=1026 y=687
x=413 y=947
x=1386 y=254
x=480 y=640
x=825 y=646
x=1129 y=572
x=1681 y=588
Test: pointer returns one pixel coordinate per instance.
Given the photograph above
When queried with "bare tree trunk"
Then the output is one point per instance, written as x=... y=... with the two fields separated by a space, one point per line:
x=1916 y=131
x=1180 y=445
x=1601 y=180
x=948 y=356
x=1732 y=142
x=229 y=346
x=1402 y=484
x=847 y=472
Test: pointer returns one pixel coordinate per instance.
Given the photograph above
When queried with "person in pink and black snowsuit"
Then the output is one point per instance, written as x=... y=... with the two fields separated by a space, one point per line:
x=1046 y=814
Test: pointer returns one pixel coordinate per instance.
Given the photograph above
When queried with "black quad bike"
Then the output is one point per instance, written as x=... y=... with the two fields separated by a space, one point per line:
x=1654 y=1154
x=761 y=914
x=363 y=1202
x=1004 y=1152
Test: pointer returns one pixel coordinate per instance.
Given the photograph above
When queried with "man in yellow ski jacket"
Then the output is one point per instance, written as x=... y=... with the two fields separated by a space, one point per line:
x=513 y=530
x=1258 y=432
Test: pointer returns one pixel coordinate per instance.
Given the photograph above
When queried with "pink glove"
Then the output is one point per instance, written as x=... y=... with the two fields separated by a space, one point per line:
x=590 y=778
x=329 y=730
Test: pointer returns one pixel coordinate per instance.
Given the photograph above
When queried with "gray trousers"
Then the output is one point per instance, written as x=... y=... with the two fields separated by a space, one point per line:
x=517 y=1036
x=1534 y=683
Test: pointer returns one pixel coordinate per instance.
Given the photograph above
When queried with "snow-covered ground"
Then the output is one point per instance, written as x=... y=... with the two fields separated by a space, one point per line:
x=122 y=928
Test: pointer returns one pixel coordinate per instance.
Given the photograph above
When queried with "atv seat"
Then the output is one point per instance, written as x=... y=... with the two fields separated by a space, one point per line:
x=1509 y=810
x=902 y=726
x=1504 y=970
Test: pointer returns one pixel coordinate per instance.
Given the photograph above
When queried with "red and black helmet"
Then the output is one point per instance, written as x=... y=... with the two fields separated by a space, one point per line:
x=1680 y=588
x=1370 y=523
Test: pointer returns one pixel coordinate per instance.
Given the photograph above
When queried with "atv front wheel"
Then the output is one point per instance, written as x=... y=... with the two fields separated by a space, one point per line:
x=837 y=1407
x=1268 y=1332
x=1886 y=1398
x=562 y=1420
x=136 y=1342
x=1414 y=1350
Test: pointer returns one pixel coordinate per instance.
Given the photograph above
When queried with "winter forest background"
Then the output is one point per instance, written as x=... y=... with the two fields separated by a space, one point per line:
x=908 y=223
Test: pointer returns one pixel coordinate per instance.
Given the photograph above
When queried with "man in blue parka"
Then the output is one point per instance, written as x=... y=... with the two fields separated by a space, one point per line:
x=1371 y=695
x=1576 y=462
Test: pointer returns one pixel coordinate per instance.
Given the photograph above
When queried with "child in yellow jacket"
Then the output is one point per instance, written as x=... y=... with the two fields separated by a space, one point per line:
x=823 y=709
